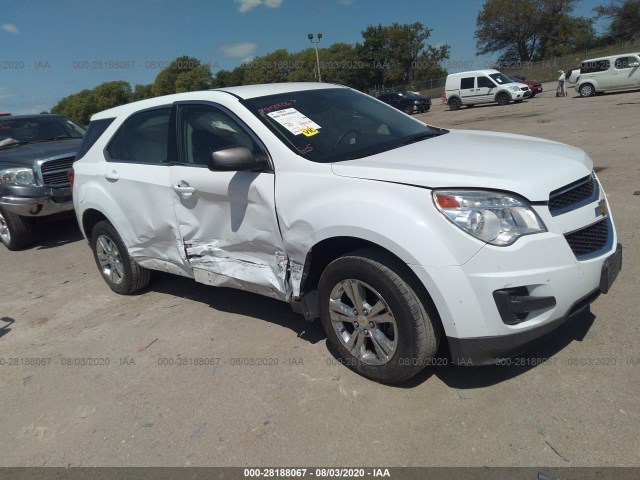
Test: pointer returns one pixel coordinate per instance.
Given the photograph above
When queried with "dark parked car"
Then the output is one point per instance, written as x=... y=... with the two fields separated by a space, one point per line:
x=36 y=154
x=408 y=102
x=534 y=86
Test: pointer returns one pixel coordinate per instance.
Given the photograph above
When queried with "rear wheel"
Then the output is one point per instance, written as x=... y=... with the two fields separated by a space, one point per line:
x=408 y=109
x=586 y=90
x=503 y=99
x=16 y=232
x=122 y=274
x=374 y=318
x=454 y=103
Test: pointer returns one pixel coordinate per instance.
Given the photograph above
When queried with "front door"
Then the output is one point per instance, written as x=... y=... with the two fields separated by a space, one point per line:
x=227 y=220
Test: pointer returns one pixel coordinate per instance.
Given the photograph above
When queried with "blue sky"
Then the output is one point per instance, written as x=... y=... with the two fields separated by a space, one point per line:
x=49 y=50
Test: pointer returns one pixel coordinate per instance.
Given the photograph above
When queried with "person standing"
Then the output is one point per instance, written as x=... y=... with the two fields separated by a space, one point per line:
x=560 y=92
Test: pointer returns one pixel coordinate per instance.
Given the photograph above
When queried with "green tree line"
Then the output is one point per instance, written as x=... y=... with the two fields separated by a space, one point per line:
x=389 y=55
x=395 y=54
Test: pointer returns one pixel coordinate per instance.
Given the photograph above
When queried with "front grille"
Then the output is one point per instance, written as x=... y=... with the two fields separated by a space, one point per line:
x=573 y=195
x=524 y=89
x=55 y=173
x=589 y=240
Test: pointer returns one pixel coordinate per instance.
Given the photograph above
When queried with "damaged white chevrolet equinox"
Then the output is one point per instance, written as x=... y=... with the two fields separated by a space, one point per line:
x=397 y=235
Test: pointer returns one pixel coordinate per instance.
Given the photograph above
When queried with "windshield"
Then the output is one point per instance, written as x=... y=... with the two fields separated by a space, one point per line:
x=410 y=95
x=500 y=78
x=331 y=125
x=37 y=129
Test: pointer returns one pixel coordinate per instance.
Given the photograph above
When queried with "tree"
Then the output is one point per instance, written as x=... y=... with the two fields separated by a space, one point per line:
x=142 y=92
x=624 y=16
x=111 y=94
x=531 y=29
x=273 y=67
x=226 y=78
x=396 y=53
x=184 y=74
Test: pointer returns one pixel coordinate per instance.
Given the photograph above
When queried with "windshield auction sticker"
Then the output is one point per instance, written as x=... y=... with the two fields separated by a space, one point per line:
x=295 y=122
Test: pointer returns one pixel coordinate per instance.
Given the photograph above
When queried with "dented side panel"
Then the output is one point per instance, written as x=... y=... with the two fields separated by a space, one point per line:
x=229 y=230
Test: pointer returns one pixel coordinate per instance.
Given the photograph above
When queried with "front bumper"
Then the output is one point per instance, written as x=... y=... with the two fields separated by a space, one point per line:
x=37 y=206
x=548 y=284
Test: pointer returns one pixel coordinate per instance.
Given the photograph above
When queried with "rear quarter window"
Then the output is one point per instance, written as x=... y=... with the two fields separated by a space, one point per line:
x=94 y=132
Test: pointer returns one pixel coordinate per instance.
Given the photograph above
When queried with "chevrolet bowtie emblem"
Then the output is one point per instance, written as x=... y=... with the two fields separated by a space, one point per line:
x=601 y=209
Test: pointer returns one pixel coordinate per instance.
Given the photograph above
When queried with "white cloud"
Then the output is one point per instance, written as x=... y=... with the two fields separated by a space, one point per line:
x=10 y=28
x=246 y=5
x=239 y=50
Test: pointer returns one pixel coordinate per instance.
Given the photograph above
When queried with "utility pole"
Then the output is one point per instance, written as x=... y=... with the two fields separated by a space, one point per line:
x=315 y=42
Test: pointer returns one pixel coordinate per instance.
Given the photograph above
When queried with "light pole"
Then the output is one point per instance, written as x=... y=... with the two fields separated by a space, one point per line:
x=315 y=42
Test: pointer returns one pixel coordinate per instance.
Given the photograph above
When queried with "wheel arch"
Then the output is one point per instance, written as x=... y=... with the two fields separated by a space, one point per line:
x=321 y=254
x=90 y=218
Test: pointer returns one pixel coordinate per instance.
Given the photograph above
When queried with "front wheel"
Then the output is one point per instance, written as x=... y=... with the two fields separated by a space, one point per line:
x=408 y=109
x=374 y=318
x=586 y=90
x=503 y=99
x=16 y=232
x=454 y=103
x=118 y=269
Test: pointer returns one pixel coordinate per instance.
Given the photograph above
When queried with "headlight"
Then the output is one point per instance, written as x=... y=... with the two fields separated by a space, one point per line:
x=493 y=217
x=17 y=176
x=515 y=89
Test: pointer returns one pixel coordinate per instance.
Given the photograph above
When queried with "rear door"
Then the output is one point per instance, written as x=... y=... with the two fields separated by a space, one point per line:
x=468 y=93
x=227 y=220
x=136 y=173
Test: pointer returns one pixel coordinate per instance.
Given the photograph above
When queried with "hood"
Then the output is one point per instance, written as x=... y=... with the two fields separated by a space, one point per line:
x=531 y=167
x=26 y=154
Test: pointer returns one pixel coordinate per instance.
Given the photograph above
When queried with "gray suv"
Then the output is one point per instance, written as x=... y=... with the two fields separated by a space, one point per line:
x=36 y=154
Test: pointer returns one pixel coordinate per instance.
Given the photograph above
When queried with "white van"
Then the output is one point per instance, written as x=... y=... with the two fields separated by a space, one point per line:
x=483 y=86
x=616 y=72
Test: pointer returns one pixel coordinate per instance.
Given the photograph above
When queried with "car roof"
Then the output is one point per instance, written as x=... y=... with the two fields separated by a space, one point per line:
x=609 y=57
x=243 y=92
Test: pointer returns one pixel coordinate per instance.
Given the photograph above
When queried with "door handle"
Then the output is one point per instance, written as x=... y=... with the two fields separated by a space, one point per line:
x=184 y=189
x=112 y=175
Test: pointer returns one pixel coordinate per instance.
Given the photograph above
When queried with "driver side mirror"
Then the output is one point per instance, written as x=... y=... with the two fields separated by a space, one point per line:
x=236 y=159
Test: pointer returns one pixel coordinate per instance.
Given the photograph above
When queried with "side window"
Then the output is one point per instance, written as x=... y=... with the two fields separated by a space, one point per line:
x=205 y=129
x=143 y=138
x=595 y=66
x=468 y=82
x=626 y=62
x=484 y=82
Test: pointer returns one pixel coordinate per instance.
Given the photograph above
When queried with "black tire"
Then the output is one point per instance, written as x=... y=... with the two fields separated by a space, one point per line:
x=408 y=109
x=503 y=99
x=125 y=276
x=16 y=232
x=413 y=334
x=586 y=90
x=454 y=103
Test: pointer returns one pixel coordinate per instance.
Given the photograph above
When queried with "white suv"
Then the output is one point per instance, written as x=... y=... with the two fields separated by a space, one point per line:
x=397 y=235
x=483 y=86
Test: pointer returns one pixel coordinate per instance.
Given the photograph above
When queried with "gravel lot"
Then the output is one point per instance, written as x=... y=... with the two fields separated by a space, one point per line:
x=170 y=387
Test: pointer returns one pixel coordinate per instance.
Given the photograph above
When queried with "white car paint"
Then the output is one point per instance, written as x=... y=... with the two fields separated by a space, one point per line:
x=255 y=230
